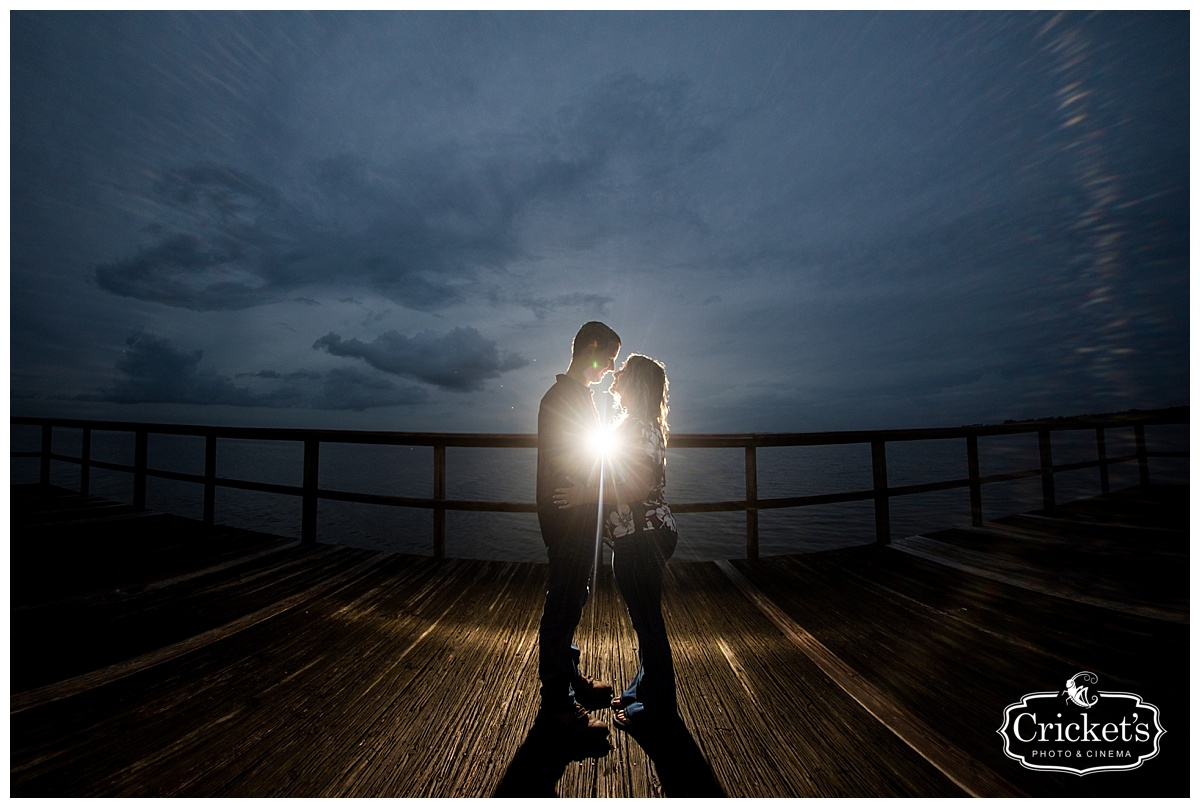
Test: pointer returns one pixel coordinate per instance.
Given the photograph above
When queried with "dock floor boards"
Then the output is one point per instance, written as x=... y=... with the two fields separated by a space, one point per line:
x=225 y=663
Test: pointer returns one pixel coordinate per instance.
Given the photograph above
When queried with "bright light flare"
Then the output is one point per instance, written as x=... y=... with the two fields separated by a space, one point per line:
x=600 y=443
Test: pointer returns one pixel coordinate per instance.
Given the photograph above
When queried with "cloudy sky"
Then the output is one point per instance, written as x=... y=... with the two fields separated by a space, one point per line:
x=399 y=220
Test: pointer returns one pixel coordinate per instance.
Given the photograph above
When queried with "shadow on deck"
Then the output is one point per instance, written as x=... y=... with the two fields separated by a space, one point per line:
x=150 y=657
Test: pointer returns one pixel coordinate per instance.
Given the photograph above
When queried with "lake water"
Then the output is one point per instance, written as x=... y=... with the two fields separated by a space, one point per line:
x=694 y=475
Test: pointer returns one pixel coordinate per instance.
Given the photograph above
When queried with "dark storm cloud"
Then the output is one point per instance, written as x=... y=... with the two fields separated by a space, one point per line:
x=154 y=371
x=461 y=360
x=418 y=228
x=226 y=242
x=218 y=244
x=184 y=270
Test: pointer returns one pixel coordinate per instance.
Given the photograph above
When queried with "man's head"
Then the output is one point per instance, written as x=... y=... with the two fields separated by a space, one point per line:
x=594 y=351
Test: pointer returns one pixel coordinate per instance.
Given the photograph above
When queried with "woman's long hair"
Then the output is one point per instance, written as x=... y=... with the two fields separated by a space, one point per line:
x=645 y=388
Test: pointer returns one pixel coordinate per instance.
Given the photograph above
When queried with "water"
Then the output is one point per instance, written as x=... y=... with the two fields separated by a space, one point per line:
x=694 y=475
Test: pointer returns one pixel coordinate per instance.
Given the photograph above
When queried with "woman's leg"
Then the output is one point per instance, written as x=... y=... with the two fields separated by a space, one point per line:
x=639 y=563
x=630 y=693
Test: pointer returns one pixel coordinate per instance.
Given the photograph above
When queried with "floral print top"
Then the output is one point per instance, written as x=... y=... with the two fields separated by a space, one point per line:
x=639 y=442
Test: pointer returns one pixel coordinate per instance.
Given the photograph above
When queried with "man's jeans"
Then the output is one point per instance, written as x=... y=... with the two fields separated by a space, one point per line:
x=639 y=563
x=571 y=560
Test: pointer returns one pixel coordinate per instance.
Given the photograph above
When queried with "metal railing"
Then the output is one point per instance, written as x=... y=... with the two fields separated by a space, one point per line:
x=311 y=492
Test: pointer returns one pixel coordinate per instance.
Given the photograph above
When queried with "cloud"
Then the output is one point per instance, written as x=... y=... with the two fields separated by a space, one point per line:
x=185 y=270
x=154 y=371
x=461 y=360
x=225 y=241
x=415 y=226
x=218 y=236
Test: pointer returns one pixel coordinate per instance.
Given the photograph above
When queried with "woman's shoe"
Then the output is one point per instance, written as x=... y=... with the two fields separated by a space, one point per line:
x=631 y=716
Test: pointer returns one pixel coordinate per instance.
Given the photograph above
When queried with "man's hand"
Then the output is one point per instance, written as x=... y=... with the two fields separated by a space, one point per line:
x=573 y=496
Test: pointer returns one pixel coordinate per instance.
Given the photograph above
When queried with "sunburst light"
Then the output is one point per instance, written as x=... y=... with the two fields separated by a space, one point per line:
x=601 y=443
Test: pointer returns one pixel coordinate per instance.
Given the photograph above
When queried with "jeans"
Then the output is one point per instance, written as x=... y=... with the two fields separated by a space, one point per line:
x=571 y=559
x=639 y=563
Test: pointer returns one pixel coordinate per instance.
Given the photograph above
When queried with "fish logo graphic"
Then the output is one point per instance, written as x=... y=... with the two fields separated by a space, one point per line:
x=1078 y=694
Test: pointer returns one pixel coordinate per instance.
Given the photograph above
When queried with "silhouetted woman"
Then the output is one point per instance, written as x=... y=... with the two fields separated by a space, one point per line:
x=639 y=525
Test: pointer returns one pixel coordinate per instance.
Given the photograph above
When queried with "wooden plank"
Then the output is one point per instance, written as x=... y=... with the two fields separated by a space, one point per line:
x=78 y=684
x=418 y=678
x=192 y=724
x=419 y=708
x=155 y=547
x=609 y=653
x=100 y=631
x=768 y=720
x=376 y=705
x=1126 y=645
x=959 y=673
x=1115 y=596
x=961 y=768
x=1152 y=506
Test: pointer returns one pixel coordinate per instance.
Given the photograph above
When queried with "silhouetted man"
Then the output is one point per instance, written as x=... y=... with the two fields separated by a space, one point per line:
x=566 y=417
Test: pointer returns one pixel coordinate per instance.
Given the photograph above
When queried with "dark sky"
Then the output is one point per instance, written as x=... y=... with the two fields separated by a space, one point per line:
x=399 y=220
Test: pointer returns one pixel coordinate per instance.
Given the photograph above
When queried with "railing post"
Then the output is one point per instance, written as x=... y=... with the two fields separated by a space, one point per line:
x=85 y=462
x=883 y=519
x=1102 y=457
x=751 y=503
x=47 y=442
x=1139 y=431
x=140 y=450
x=1047 y=468
x=210 y=480
x=973 y=476
x=439 y=493
x=312 y=466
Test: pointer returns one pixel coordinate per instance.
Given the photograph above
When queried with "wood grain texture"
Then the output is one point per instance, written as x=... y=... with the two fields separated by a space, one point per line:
x=219 y=663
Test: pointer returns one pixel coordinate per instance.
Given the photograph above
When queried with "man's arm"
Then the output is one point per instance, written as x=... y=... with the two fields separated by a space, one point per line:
x=562 y=437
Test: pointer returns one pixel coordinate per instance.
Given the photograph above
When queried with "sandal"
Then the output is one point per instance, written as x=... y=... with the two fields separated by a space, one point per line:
x=622 y=701
x=630 y=717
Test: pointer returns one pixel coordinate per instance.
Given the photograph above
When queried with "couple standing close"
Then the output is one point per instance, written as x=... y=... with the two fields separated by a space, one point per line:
x=636 y=521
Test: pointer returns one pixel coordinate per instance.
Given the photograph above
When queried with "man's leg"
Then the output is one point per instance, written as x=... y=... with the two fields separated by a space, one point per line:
x=570 y=566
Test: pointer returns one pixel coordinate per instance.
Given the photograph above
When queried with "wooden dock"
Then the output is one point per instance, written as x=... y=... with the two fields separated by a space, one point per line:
x=154 y=657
